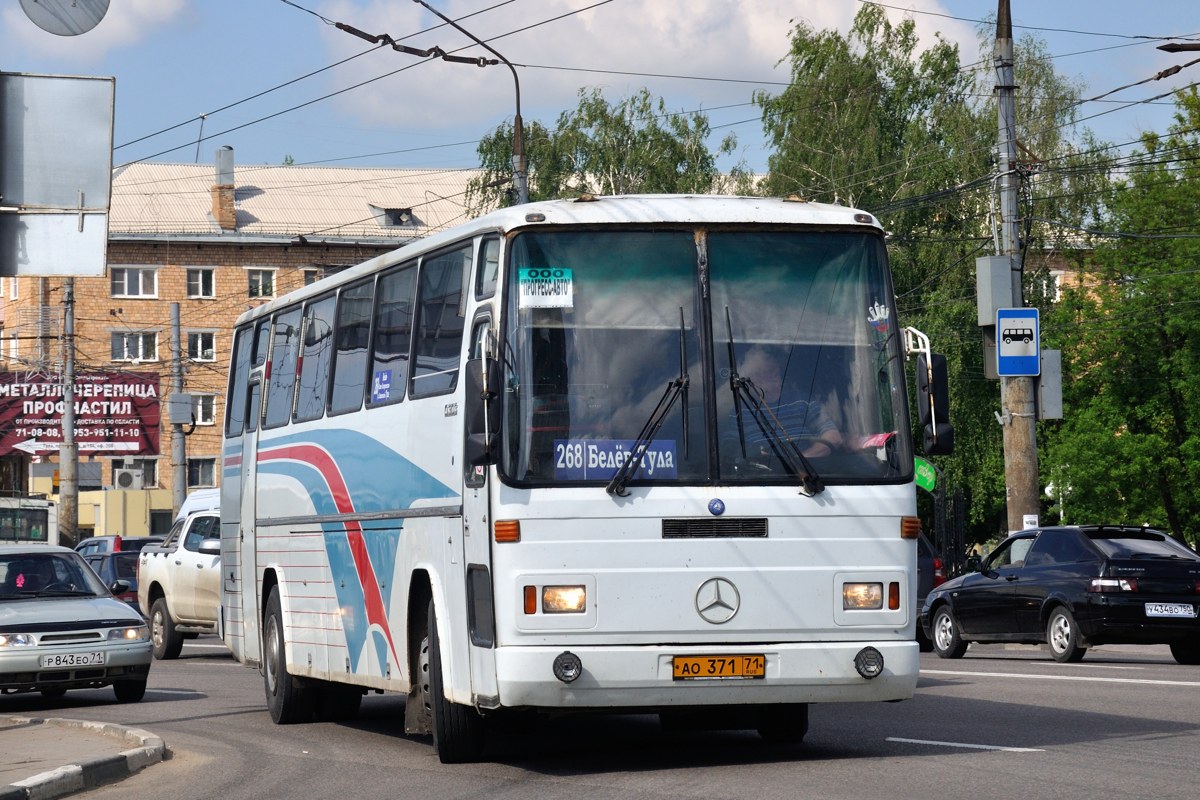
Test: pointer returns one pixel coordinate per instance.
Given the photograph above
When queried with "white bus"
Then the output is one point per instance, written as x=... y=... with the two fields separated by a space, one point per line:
x=524 y=464
x=26 y=519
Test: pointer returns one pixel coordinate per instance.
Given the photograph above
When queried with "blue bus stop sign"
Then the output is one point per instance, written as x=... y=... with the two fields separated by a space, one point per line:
x=1018 y=346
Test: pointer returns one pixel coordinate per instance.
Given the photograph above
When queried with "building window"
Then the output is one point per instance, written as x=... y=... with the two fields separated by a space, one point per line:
x=201 y=346
x=311 y=276
x=14 y=347
x=201 y=472
x=202 y=409
x=148 y=466
x=13 y=294
x=135 y=347
x=134 y=282
x=395 y=217
x=200 y=282
x=262 y=282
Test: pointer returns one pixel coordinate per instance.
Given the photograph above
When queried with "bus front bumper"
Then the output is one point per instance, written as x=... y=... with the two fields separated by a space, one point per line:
x=643 y=677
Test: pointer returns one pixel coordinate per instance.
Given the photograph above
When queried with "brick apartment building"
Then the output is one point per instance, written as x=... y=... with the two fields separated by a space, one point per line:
x=217 y=240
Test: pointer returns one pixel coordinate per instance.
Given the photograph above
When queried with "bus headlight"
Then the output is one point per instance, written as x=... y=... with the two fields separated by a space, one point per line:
x=564 y=599
x=862 y=596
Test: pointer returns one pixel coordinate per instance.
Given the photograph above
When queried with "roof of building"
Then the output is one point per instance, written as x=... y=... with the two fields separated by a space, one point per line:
x=152 y=200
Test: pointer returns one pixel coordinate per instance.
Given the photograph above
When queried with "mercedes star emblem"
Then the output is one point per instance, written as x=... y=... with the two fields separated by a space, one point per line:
x=717 y=600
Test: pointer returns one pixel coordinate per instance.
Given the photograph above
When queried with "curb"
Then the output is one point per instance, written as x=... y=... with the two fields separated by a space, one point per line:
x=143 y=749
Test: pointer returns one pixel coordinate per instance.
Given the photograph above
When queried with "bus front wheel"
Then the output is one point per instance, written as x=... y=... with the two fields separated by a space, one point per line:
x=457 y=729
x=783 y=724
x=287 y=701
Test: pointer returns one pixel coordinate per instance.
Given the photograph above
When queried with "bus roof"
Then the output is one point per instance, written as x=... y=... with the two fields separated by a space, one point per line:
x=604 y=210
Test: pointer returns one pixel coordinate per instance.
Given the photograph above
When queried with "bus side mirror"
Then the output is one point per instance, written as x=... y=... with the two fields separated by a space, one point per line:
x=933 y=405
x=482 y=417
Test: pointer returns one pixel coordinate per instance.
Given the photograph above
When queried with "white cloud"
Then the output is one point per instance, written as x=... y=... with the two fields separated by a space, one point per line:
x=723 y=39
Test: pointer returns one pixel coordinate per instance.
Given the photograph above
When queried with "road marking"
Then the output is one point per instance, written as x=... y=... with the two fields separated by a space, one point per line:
x=188 y=692
x=1084 y=678
x=205 y=646
x=966 y=746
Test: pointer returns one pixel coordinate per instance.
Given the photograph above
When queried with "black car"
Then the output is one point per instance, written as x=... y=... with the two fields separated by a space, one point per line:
x=1073 y=587
x=118 y=566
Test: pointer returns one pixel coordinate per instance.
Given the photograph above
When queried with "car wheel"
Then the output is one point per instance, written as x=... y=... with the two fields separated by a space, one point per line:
x=53 y=694
x=1062 y=634
x=287 y=701
x=1186 y=652
x=946 y=640
x=130 y=691
x=457 y=729
x=167 y=641
x=783 y=724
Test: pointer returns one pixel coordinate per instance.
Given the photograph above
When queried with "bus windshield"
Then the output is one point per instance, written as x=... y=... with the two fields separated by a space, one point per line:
x=744 y=346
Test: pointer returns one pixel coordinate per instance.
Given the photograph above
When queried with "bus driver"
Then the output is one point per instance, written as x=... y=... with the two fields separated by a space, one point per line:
x=803 y=419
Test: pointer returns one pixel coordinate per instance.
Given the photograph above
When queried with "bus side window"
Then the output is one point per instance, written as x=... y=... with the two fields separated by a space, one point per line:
x=281 y=381
x=317 y=354
x=239 y=377
x=440 y=326
x=352 y=341
x=487 y=269
x=392 y=336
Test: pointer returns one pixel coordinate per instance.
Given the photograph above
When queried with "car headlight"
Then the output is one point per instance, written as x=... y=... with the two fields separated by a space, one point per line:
x=17 y=640
x=135 y=633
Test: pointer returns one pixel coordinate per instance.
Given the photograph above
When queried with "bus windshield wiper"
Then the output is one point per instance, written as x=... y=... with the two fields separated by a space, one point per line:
x=745 y=392
x=675 y=389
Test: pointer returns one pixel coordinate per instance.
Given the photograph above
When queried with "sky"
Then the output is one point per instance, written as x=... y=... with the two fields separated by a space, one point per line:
x=260 y=75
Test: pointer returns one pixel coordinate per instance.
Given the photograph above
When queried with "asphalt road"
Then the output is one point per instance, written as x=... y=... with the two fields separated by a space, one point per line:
x=1001 y=722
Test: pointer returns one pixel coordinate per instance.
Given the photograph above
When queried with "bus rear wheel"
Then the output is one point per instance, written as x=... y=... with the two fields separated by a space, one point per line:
x=287 y=701
x=458 y=730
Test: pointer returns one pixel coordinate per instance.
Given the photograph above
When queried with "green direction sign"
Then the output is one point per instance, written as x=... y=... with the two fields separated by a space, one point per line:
x=925 y=475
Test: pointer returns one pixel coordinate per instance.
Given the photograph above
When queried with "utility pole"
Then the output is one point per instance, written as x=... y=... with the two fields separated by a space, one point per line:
x=1019 y=412
x=68 y=452
x=178 y=444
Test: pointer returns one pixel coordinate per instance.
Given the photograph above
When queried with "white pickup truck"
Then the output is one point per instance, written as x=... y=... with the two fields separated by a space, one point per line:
x=179 y=582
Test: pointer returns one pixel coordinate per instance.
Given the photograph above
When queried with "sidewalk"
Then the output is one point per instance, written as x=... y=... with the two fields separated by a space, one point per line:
x=48 y=758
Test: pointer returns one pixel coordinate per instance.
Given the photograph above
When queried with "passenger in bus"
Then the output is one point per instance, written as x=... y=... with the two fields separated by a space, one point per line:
x=803 y=418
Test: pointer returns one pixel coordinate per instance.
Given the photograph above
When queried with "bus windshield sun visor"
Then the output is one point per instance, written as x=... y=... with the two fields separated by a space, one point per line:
x=619 y=484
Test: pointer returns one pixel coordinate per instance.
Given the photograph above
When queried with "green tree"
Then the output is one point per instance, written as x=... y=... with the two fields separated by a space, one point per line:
x=633 y=146
x=868 y=120
x=1129 y=450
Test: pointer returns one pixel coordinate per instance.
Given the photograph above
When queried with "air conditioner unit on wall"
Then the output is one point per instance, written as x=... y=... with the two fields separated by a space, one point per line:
x=127 y=478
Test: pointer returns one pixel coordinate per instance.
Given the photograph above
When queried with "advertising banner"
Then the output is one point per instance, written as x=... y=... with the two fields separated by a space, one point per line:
x=116 y=413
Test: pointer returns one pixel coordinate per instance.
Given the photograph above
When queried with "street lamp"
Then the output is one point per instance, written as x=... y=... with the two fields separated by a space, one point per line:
x=1180 y=47
x=519 y=166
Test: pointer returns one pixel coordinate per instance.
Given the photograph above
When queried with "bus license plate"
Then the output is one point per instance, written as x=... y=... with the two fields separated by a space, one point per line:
x=1170 y=610
x=691 y=668
x=73 y=659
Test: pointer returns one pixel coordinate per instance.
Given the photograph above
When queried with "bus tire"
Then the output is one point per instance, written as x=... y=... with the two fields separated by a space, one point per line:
x=457 y=729
x=168 y=643
x=786 y=723
x=287 y=701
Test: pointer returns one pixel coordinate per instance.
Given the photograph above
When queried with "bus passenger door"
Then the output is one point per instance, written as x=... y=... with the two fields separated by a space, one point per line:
x=476 y=544
x=248 y=557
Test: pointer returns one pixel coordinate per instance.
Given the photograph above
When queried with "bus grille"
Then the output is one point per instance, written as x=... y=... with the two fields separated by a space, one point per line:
x=702 y=528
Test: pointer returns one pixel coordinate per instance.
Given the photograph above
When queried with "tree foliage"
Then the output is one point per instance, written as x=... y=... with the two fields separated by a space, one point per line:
x=1129 y=450
x=632 y=146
